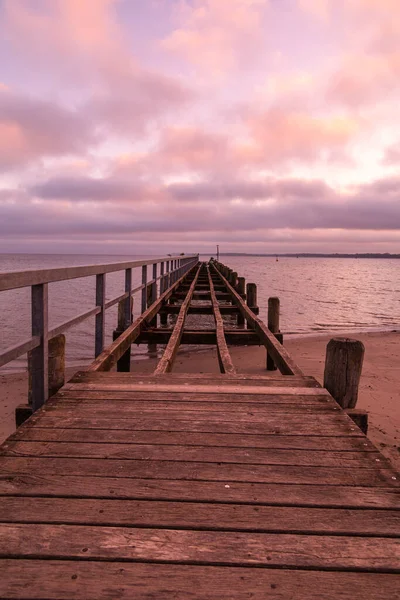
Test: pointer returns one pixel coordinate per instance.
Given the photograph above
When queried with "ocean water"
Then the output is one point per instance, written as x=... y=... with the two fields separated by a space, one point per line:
x=317 y=295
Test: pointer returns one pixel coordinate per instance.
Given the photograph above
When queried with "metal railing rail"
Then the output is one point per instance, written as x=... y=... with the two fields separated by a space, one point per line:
x=171 y=268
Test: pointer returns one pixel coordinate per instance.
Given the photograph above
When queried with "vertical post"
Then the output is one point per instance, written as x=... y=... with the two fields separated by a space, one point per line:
x=273 y=326
x=39 y=355
x=154 y=284
x=343 y=365
x=144 y=290
x=234 y=279
x=162 y=282
x=56 y=363
x=127 y=301
x=251 y=298
x=124 y=320
x=241 y=288
x=217 y=252
x=251 y=295
x=100 y=317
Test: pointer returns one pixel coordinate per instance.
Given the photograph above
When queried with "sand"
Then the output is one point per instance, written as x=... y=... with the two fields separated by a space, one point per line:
x=379 y=388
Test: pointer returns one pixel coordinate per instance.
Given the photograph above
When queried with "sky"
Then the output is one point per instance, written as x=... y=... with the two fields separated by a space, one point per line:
x=151 y=126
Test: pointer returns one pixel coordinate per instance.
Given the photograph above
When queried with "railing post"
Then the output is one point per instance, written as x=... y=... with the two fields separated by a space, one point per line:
x=100 y=317
x=273 y=326
x=39 y=356
x=162 y=278
x=144 y=290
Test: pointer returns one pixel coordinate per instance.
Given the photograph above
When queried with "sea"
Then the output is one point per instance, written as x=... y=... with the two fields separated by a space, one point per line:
x=317 y=296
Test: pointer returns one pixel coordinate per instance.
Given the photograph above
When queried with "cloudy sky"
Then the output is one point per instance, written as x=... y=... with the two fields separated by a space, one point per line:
x=136 y=126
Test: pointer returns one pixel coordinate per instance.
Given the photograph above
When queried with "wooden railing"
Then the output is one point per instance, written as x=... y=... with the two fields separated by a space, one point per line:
x=171 y=269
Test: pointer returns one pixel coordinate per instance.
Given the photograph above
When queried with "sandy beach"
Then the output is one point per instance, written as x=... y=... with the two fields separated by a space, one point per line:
x=379 y=389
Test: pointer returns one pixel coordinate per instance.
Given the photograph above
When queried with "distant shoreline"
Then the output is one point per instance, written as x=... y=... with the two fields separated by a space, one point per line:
x=313 y=255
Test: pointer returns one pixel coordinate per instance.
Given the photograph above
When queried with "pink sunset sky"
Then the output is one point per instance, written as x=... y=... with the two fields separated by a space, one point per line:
x=145 y=126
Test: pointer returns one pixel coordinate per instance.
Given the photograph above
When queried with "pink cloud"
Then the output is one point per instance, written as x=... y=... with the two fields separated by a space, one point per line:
x=31 y=129
x=214 y=35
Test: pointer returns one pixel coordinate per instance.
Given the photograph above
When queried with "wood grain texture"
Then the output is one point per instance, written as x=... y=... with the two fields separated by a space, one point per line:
x=276 y=494
x=103 y=436
x=91 y=580
x=166 y=362
x=208 y=454
x=224 y=358
x=201 y=516
x=200 y=547
x=197 y=471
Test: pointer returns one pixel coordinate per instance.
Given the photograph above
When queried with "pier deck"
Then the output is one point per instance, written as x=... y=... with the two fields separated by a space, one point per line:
x=201 y=486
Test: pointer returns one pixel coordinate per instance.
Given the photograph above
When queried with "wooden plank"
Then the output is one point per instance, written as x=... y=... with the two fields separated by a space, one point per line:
x=277 y=401
x=220 y=409
x=109 y=357
x=271 y=494
x=200 y=547
x=216 y=389
x=102 y=580
x=166 y=362
x=293 y=442
x=201 y=516
x=246 y=337
x=224 y=358
x=198 y=378
x=329 y=425
x=194 y=453
x=281 y=357
x=198 y=471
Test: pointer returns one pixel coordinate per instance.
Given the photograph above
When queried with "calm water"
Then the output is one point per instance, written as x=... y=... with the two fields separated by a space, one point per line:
x=317 y=296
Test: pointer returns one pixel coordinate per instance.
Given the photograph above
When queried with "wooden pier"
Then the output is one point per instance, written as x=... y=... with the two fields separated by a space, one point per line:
x=212 y=487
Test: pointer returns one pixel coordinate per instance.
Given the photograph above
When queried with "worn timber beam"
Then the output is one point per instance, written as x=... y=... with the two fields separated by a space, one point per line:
x=234 y=337
x=280 y=356
x=224 y=358
x=200 y=309
x=167 y=360
x=108 y=358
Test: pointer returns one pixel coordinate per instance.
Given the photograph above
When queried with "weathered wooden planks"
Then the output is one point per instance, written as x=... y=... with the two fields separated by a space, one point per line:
x=198 y=471
x=200 y=547
x=167 y=360
x=93 y=580
x=224 y=358
x=271 y=494
x=340 y=443
x=201 y=516
x=206 y=454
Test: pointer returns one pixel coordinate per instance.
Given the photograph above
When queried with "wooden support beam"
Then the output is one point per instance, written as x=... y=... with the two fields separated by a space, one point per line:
x=281 y=357
x=234 y=337
x=224 y=357
x=167 y=360
x=107 y=359
x=200 y=309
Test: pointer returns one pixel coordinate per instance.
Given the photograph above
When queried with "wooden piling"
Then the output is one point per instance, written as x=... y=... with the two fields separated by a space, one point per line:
x=343 y=365
x=55 y=371
x=241 y=288
x=273 y=326
x=234 y=278
x=124 y=363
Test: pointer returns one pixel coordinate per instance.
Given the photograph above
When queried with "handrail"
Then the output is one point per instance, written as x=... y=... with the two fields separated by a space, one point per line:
x=17 y=279
x=171 y=269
